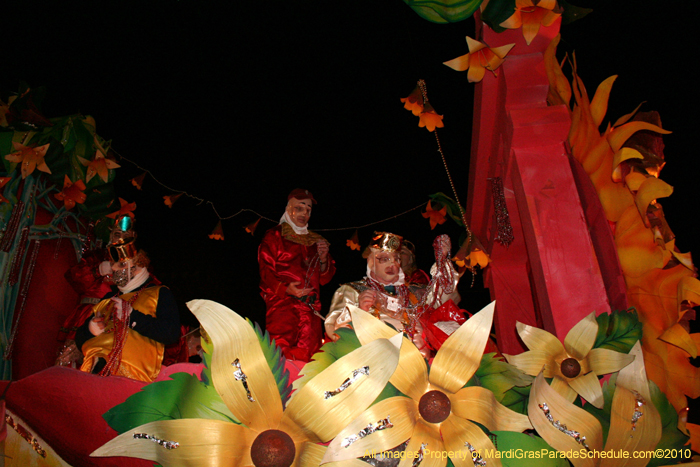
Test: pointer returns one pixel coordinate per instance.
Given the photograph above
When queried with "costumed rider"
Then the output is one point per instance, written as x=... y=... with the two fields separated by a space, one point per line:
x=294 y=263
x=386 y=294
x=130 y=327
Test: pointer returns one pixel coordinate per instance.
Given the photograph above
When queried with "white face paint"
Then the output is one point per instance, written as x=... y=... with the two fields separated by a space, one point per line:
x=384 y=266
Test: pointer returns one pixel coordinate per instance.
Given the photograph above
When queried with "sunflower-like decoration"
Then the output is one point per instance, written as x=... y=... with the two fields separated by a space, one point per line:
x=439 y=413
x=269 y=435
x=574 y=366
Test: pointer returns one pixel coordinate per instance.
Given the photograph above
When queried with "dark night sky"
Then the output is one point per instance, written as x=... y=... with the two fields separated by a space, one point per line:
x=239 y=104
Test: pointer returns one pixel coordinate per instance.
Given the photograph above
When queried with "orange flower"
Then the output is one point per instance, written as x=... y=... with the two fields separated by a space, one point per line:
x=479 y=59
x=430 y=119
x=250 y=228
x=169 y=200
x=414 y=101
x=436 y=217
x=72 y=193
x=354 y=242
x=471 y=254
x=138 y=181
x=217 y=233
x=3 y=182
x=125 y=209
x=30 y=157
x=530 y=14
x=100 y=165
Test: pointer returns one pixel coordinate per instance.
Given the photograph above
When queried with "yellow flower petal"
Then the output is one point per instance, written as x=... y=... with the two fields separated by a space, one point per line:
x=625 y=118
x=460 y=355
x=411 y=375
x=678 y=336
x=652 y=188
x=563 y=389
x=456 y=432
x=634 y=180
x=621 y=156
x=634 y=376
x=621 y=134
x=588 y=387
x=234 y=339
x=532 y=362
x=401 y=411
x=219 y=442
x=460 y=63
x=312 y=456
x=604 y=361
x=425 y=433
x=689 y=290
x=480 y=405
x=580 y=339
x=325 y=417
x=538 y=339
x=566 y=413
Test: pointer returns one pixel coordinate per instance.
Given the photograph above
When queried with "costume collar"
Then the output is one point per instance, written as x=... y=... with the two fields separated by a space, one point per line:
x=298 y=230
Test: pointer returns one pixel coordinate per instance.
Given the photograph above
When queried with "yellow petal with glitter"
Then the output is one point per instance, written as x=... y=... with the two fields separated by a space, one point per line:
x=678 y=336
x=580 y=339
x=566 y=413
x=456 y=432
x=460 y=355
x=605 y=361
x=201 y=442
x=402 y=413
x=411 y=375
x=480 y=405
x=234 y=339
x=426 y=434
x=538 y=339
x=324 y=417
x=652 y=188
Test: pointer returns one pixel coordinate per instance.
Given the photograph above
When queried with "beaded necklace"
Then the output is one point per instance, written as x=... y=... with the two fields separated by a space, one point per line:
x=120 y=330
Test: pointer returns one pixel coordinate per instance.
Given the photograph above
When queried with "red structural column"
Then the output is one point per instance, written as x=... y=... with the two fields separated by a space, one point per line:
x=549 y=276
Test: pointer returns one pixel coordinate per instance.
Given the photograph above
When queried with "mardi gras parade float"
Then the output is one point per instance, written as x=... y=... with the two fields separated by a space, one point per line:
x=556 y=209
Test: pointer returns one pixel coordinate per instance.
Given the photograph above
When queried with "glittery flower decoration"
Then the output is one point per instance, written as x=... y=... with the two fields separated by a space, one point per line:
x=471 y=254
x=354 y=242
x=169 y=200
x=72 y=193
x=125 y=208
x=250 y=228
x=138 y=181
x=530 y=14
x=270 y=435
x=439 y=413
x=218 y=232
x=3 y=182
x=574 y=366
x=99 y=165
x=480 y=58
x=436 y=216
x=29 y=158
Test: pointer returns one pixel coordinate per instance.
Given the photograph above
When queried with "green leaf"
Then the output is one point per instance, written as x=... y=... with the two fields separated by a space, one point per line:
x=453 y=209
x=445 y=11
x=276 y=361
x=517 y=398
x=499 y=376
x=182 y=396
x=618 y=331
x=671 y=437
x=521 y=450
x=572 y=12
x=496 y=12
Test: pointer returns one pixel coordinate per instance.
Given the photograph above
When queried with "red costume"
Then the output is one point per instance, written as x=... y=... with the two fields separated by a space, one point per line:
x=286 y=257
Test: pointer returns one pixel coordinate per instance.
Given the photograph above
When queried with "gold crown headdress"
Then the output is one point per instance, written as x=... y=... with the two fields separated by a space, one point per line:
x=386 y=241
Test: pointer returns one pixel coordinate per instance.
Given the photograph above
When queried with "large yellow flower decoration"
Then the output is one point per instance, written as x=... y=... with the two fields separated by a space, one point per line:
x=635 y=424
x=574 y=366
x=530 y=14
x=438 y=414
x=270 y=435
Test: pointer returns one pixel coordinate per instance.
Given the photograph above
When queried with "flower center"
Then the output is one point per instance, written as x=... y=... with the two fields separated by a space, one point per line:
x=570 y=368
x=272 y=448
x=434 y=406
